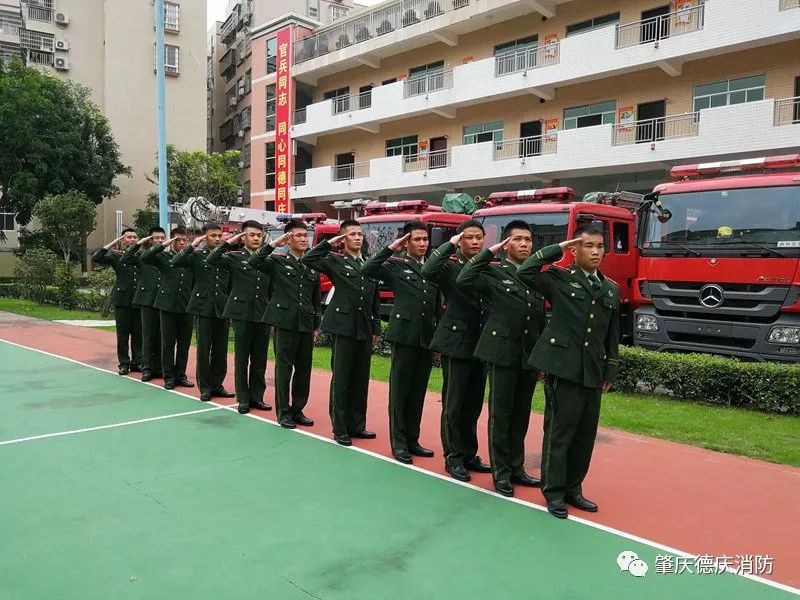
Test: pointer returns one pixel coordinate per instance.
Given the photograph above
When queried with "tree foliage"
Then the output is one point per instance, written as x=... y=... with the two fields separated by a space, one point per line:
x=143 y=220
x=53 y=139
x=214 y=176
x=69 y=218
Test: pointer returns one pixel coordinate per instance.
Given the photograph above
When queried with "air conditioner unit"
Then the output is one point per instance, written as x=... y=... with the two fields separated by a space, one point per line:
x=62 y=64
x=233 y=101
x=62 y=18
x=246 y=18
x=241 y=133
x=62 y=45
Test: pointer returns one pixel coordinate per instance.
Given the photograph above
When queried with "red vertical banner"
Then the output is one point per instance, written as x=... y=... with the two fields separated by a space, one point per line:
x=283 y=143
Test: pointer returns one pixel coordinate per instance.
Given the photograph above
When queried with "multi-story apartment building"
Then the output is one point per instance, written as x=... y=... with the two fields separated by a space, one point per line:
x=230 y=69
x=109 y=46
x=417 y=98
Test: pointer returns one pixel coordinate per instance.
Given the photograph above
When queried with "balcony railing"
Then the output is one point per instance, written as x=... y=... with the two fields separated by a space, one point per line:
x=789 y=4
x=40 y=10
x=656 y=130
x=37 y=57
x=343 y=104
x=9 y=26
x=36 y=40
x=299 y=178
x=527 y=146
x=362 y=27
x=787 y=111
x=658 y=28
x=299 y=116
x=526 y=59
x=432 y=82
x=227 y=64
x=436 y=159
x=351 y=171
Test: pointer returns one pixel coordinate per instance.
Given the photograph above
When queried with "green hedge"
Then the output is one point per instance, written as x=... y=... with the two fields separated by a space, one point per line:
x=769 y=387
x=53 y=295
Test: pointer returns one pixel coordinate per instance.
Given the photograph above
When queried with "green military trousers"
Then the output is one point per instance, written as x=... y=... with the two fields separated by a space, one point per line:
x=463 y=388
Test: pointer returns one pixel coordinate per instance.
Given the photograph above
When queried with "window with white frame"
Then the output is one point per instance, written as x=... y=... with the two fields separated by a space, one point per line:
x=336 y=12
x=732 y=91
x=271 y=107
x=404 y=146
x=7 y=221
x=172 y=59
x=600 y=113
x=484 y=132
x=172 y=16
x=592 y=24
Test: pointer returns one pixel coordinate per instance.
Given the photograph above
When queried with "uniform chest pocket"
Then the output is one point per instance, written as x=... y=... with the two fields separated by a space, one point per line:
x=573 y=293
x=410 y=277
x=507 y=288
x=610 y=303
x=503 y=332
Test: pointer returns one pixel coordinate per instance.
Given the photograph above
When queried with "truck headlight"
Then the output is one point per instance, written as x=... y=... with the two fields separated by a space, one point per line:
x=646 y=323
x=784 y=335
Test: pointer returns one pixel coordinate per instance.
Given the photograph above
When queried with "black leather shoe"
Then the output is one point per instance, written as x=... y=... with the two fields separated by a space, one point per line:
x=343 y=440
x=420 y=451
x=526 y=480
x=135 y=369
x=458 y=472
x=581 y=503
x=146 y=376
x=503 y=486
x=205 y=396
x=403 y=456
x=243 y=409
x=169 y=385
x=287 y=424
x=477 y=465
x=557 y=508
x=221 y=392
x=260 y=405
x=363 y=435
x=301 y=419
x=183 y=382
x=124 y=370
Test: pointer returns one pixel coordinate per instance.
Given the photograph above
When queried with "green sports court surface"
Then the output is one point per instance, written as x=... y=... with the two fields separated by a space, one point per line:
x=115 y=489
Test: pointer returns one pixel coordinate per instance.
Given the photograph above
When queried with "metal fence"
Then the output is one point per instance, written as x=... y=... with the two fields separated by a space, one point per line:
x=9 y=26
x=789 y=4
x=299 y=178
x=299 y=116
x=343 y=104
x=432 y=82
x=436 y=159
x=374 y=23
x=527 y=146
x=35 y=40
x=658 y=28
x=787 y=111
x=38 y=57
x=526 y=59
x=656 y=130
x=351 y=171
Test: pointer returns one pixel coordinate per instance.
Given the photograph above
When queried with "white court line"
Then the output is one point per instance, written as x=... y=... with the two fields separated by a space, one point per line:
x=450 y=480
x=111 y=426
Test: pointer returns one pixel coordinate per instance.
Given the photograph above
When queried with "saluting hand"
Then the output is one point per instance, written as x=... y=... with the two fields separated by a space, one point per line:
x=169 y=241
x=337 y=240
x=570 y=243
x=113 y=243
x=198 y=240
x=399 y=243
x=283 y=240
x=456 y=238
x=233 y=239
x=144 y=240
x=498 y=248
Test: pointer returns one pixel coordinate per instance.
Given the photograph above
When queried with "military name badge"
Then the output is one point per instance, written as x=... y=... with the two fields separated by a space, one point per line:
x=575 y=284
x=348 y=267
x=507 y=282
x=407 y=271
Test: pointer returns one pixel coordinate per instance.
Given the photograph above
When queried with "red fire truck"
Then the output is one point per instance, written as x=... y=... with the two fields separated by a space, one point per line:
x=719 y=251
x=382 y=222
x=554 y=214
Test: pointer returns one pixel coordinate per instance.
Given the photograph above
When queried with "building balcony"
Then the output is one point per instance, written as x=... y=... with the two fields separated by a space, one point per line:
x=715 y=28
x=227 y=64
x=750 y=129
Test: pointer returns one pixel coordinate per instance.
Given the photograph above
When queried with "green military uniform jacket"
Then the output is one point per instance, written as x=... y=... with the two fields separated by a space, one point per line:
x=295 y=301
x=249 y=295
x=175 y=286
x=516 y=317
x=354 y=311
x=460 y=326
x=210 y=292
x=413 y=318
x=580 y=343
x=149 y=277
x=127 y=276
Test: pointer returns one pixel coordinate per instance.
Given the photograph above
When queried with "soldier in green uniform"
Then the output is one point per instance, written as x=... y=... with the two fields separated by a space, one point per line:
x=207 y=303
x=294 y=311
x=515 y=320
x=410 y=330
x=145 y=296
x=578 y=354
x=174 y=291
x=464 y=377
x=126 y=315
x=353 y=318
x=247 y=302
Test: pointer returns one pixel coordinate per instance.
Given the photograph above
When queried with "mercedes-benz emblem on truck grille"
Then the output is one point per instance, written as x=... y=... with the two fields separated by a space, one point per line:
x=711 y=295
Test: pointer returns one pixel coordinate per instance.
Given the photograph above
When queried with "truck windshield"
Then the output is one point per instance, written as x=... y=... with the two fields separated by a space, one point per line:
x=548 y=228
x=378 y=235
x=767 y=218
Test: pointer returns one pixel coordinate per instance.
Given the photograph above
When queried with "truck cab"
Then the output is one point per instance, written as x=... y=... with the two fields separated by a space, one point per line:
x=554 y=214
x=719 y=249
x=383 y=222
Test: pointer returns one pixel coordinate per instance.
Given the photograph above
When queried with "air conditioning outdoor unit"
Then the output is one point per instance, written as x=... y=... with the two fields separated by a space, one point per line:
x=241 y=133
x=62 y=45
x=233 y=101
x=62 y=64
x=62 y=18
